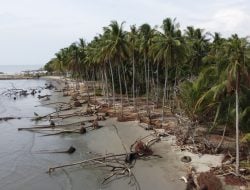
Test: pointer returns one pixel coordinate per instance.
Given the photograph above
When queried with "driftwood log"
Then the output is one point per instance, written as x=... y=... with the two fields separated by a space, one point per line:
x=43 y=96
x=70 y=150
x=8 y=118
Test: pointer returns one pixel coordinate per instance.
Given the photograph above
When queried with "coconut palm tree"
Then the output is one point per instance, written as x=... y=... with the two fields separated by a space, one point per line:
x=198 y=47
x=238 y=53
x=132 y=41
x=146 y=34
x=96 y=59
x=62 y=60
x=164 y=47
x=74 y=60
x=216 y=72
x=116 y=49
x=226 y=79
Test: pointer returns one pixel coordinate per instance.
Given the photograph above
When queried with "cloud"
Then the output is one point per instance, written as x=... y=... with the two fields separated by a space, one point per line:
x=229 y=21
x=226 y=17
x=34 y=30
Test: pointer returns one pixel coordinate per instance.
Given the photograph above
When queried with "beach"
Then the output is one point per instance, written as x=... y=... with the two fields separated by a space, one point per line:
x=25 y=168
x=120 y=95
x=151 y=174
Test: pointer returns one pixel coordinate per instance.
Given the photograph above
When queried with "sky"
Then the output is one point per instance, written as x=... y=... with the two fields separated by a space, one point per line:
x=32 y=31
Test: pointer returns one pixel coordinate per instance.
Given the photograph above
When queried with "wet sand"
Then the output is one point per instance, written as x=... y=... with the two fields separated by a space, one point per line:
x=155 y=173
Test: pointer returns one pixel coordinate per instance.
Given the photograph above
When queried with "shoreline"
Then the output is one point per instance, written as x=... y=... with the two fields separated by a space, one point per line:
x=151 y=174
x=201 y=163
x=128 y=133
x=16 y=77
x=167 y=148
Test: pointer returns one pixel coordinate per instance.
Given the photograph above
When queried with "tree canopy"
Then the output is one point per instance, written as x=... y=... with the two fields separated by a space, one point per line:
x=200 y=70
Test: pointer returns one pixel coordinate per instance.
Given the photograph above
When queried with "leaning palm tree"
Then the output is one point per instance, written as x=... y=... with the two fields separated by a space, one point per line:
x=229 y=79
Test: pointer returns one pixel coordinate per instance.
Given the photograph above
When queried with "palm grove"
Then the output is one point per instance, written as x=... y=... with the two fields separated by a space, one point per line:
x=202 y=74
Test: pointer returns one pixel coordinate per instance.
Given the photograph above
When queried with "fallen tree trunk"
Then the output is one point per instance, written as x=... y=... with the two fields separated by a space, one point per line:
x=52 y=104
x=43 y=96
x=57 y=126
x=51 y=169
x=8 y=118
x=70 y=150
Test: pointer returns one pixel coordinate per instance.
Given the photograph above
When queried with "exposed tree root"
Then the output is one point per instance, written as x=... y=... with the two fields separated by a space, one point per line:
x=121 y=164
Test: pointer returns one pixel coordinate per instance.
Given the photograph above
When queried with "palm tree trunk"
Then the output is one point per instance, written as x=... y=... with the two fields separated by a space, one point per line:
x=153 y=85
x=87 y=84
x=146 y=78
x=237 y=123
x=165 y=89
x=93 y=86
x=170 y=63
x=107 y=86
x=112 y=81
x=174 y=101
x=157 y=91
x=175 y=81
x=125 y=82
x=103 y=86
x=134 y=81
x=120 y=84
x=148 y=88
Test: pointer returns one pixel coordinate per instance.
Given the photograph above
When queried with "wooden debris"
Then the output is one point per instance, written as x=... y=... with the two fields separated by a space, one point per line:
x=202 y=181
x=95 y=124
x=127 y=117
x=142 y=149
x=56 y=126
x=53 y=103
x=101 y=158
x=209 y=181
x=77 y=104
x=82 y=130
x=52 y=123
x=49 y=86
x=8 y=118
x=234 y=180
x=120 y=164
x=70 y=150
x=191 y=185
x=130 y=157
x=64 y=132
x=101 y=118
x=44 y=96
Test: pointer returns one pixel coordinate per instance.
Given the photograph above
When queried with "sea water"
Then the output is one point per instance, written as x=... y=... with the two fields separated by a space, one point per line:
x=21 y=167
x=17 y=69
